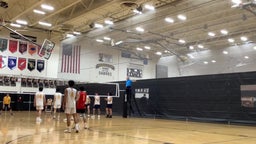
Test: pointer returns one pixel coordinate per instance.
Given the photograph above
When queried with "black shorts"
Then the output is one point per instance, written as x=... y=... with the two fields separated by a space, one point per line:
x=109 y=105
x=6 y=107
x=97 y=106
x=80 y=111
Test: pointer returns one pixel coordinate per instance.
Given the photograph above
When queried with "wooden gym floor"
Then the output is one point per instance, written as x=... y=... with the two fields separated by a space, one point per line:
x=22 y=129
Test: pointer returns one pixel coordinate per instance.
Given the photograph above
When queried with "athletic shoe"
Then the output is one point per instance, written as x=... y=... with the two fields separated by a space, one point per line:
x=93 y=117
x=67 y=130
x=77 y=128
x=110 y=116
x=98 y=116
x=107 y=116
x=85 y=126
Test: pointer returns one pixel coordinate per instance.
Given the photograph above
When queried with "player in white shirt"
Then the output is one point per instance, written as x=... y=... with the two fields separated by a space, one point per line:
x=109 y=100
x=87 y=104
x=96 y=105
x=69 y=105
x=39 y=102
x=57 y=103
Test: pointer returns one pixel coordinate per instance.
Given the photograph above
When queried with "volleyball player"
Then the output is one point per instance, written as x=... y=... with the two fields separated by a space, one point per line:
x=87 y=104
x=80 y=106
x=109 y=100
x=69 y=105
x=39 y=102
x=96 y=105
x=57 y=103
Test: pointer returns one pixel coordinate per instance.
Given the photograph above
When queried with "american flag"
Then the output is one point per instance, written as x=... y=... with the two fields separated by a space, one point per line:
x=70 y=59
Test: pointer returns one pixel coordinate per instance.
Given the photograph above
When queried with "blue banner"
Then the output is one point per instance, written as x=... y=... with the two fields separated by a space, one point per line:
x=12 y=62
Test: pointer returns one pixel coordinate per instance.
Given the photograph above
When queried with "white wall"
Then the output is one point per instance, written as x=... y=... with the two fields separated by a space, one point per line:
x=230 y=63
x=90 y=50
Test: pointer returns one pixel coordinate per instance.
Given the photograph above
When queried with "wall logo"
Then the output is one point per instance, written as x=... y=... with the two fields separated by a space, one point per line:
x=105 y=69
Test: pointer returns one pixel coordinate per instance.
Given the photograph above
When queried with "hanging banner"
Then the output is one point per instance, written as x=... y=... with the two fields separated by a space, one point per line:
x=12 y=61
x=40 y=65
x=3 y=61
x=32 y=49
x=3 y=44
x=31 y=64
x=13 y=46
x=22 y=62
x=23 y=47
x=46 y=49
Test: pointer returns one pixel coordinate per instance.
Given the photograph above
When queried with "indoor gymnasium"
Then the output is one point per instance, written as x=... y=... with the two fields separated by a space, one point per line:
x=127 y=71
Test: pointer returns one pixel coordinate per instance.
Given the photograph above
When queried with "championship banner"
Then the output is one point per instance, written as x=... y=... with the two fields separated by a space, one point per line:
x=46 y=49
x=40 y=65
x=12 y=61
x=13 y=46
x=3 y=61
x=32 y=49
x=23 y=47
x=3 y=44
x=31 y=64
x=22 y=62
x=248 y=95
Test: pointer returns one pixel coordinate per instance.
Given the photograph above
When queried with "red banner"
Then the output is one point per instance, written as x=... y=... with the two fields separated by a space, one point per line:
x=22 y=62
x=13 y=46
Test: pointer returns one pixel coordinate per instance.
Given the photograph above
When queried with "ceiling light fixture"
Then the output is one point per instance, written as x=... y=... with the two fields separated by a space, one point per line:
x=15 y=25
x=237 y=1
x=182 y=17
x=246 y=57
x=205 y=62
x=200 y=46
x=182 y=41
x=23 y=22
x=139 y=49
x=69 y=35
x=223 y=31
x=139 y=29
x=99 y=40
x=169 y=20
x=109 y=22
x=191 y=47
x=45 y=24
x=39 y=12
x=47 y=7
x=118 y=43
x=225 y=52
x=243 y=38
x=107 y=38
x=147 y=47
x=77 y=33
x=149 y=7
x=231 y=40
x=158 y=53
x=213 y=61
x=98 y=25
x=254 y=47
x=211 y=34
x=137 y=12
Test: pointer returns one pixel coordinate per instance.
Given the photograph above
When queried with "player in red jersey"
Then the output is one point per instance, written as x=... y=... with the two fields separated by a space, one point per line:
x=80 y=105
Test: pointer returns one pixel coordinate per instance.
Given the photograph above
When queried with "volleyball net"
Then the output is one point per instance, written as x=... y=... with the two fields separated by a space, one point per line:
x=101 y=88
